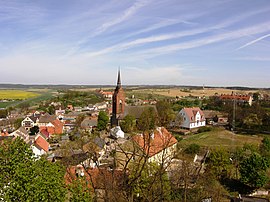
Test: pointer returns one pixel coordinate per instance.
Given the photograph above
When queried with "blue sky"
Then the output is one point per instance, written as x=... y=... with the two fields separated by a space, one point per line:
x=180 y=42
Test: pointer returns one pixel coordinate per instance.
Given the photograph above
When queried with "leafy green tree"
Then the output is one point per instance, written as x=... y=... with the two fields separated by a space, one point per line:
x=34 y=130
x=265 y=146
x=253 y=170
x=18 y=123
x=165 y=113
x=252 y=120
x=149 y=182
x=3 y=113
x=219 y=162
x=128 y=123
x=24 y=178
x=148 y=119
x=80 y=191
x=103 y=120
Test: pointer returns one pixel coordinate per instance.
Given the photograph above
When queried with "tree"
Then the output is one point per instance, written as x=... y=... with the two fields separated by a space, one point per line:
x=103 y=120
x=148 y=119
x=34 y=130
x=219 y=162
x=17 y=123
x=253 y=170
x=149 y=182
x=80 y=191
x=128 y=123
x=165 y=113
x=24 y=178
x=252 y=120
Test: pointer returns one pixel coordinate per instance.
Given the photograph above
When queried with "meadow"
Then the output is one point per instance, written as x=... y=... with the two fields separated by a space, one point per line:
x=220 y=137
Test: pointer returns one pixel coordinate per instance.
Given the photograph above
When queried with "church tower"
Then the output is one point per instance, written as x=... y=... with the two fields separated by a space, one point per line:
x=118 y=102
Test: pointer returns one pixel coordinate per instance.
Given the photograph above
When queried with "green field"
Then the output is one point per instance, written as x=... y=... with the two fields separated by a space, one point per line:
x=16 y=94
x=219 y=137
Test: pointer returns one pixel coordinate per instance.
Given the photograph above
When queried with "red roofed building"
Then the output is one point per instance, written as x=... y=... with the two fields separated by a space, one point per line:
x=40 y=146
x=159 y=145
x=237 y=98
x=53 y=127
x=106 y=183
x=192 y=118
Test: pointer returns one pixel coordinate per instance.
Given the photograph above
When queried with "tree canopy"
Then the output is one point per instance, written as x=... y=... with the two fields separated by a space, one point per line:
x=103 y=120
x=24 y=178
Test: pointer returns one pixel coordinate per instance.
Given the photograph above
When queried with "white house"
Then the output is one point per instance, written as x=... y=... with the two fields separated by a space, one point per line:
x=159 y=146
x=192 y=117
x=28 y=123
x=40 y=146
x=117 y=132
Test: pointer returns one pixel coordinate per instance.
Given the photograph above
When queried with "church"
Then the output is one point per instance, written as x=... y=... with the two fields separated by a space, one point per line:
x=118 y=102
x=119 y=107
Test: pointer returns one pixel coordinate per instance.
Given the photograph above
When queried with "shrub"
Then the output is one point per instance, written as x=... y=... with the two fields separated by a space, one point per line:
x=192 y=149
x=204 y=129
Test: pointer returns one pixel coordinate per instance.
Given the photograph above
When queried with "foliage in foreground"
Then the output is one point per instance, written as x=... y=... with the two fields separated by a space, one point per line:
x=24 y=178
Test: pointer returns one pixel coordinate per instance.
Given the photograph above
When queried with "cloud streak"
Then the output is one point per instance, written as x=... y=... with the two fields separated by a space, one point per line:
x=254 y=41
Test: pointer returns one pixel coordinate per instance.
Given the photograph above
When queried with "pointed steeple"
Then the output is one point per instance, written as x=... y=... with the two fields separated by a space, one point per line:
x=118 y=79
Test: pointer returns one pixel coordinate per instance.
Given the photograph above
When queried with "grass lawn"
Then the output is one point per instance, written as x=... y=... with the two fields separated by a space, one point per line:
x=219 y=137
x=16 y=94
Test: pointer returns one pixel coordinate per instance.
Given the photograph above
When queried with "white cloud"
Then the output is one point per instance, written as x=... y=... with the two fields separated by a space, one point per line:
x=254 y=41
x=126 y=15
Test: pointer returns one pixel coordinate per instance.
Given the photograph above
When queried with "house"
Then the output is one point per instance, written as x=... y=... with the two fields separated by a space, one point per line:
x=106 y=94
x=238 y=98
x=29 y=122
x=89 y=123
x=159 y=146
x=60 y=113
x=40 y=146
x=192 y=118
x=96 y=149
x=101 y=105
x=215 y=117
x=106 y=183
x=22 y=133
x=116 y=132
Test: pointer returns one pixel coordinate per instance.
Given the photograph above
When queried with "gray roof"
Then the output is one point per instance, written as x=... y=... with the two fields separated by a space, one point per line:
x=136 y=111
x=46 y=118
x=99 y=142
x=87 y=123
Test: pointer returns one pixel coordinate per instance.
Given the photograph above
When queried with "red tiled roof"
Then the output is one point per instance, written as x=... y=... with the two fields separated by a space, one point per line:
x=45 y=132
x=235 y=97
x=191 y=113
x=42 y=143
x=58 y=126
x=160 y=140
x=98 y=178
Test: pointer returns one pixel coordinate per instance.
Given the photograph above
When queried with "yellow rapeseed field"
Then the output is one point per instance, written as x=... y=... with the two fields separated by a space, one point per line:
x=16 y=94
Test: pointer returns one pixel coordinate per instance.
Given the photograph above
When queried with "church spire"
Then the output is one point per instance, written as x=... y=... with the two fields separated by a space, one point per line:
x=118 y=79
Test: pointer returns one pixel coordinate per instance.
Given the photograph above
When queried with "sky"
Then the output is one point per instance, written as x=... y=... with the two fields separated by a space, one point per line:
x=153 y=42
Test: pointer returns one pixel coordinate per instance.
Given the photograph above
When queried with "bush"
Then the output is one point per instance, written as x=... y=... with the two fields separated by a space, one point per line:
x=192 y=149
x=204 y=129
x=178 y=138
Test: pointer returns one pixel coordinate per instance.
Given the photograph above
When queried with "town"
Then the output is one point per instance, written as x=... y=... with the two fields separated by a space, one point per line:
x=114 y=147
x=134 y=101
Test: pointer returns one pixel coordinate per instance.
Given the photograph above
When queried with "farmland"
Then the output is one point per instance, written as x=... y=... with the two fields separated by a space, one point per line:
x=198 y=92
x=11 y=98
x=16 y=95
